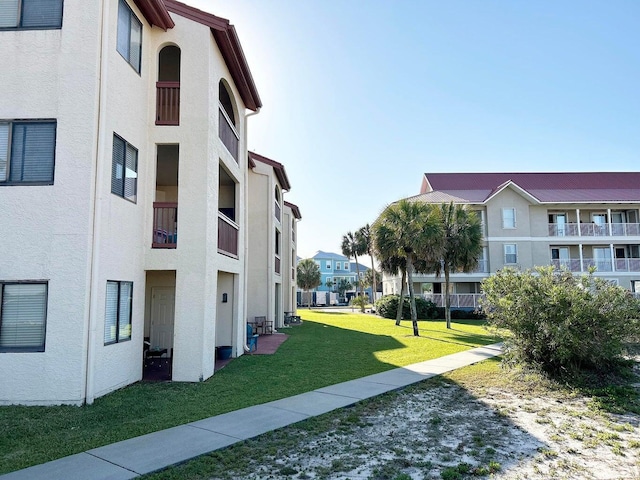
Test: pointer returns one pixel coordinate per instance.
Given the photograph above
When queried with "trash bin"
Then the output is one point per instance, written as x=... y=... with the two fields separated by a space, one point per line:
x=223 y=352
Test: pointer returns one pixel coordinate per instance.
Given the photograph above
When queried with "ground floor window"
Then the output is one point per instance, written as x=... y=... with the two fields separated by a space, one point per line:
x=23 y=316
x=117 y=325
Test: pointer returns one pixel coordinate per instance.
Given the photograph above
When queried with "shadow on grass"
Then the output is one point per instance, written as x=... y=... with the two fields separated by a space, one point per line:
x=314 y=356
x=453 y=430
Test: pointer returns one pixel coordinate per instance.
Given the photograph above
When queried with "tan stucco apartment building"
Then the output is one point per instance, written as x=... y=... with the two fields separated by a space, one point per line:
x=124 y=190
x=573 y=220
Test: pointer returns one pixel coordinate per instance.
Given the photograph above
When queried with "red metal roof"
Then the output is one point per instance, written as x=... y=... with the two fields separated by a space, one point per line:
x=577 y=187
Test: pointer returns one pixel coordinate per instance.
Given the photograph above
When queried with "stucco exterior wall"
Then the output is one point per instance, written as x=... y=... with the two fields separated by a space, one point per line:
x=260 y=266
x=47 y=229
x=76 y=76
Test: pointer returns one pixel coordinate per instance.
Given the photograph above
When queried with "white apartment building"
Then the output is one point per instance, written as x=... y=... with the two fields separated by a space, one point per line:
x=573 y=220
x=123 y=185
x=272 y=247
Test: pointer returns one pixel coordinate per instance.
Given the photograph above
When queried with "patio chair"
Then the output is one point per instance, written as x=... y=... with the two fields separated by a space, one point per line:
x=252 y=338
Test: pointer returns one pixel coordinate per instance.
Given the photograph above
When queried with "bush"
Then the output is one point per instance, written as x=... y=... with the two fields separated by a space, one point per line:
x=387 y=307
x=560 y=322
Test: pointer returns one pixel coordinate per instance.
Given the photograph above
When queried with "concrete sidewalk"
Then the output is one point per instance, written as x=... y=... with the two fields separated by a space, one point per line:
x=148 y=453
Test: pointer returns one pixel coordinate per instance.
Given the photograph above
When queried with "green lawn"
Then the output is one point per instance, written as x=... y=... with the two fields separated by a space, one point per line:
x=328 y=348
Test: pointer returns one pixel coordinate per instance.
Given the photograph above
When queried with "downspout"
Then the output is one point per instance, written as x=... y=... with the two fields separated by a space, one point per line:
x=96 y=211
x=246 y=222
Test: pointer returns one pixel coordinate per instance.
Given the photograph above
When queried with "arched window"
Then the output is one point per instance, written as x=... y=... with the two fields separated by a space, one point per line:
x=227 y=128
x=168 y=86
x=277 y=204
x=225 y=101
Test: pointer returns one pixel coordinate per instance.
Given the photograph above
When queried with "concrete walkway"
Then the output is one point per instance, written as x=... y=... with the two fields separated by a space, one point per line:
x=148 y=453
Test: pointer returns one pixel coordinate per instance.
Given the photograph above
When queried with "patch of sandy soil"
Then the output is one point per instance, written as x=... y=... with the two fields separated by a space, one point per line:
x=445 y=431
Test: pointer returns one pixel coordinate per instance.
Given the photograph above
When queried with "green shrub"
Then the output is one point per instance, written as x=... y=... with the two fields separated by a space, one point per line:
x=387 y=307
x=558 y=321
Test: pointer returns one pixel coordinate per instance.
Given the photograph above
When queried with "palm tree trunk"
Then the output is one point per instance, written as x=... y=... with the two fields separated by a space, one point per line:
x=401 y=301
x=359 y=281
x=447 y=296
x=412 y=299
x=374 y=287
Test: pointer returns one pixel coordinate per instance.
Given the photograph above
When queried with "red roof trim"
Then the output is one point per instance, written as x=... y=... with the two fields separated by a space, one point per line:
x=156 y=13
x=277 y=167
x=227 y=40
x=294 y=208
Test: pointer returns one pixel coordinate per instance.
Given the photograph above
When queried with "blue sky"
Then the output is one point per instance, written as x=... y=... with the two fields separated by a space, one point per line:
x=361 y=98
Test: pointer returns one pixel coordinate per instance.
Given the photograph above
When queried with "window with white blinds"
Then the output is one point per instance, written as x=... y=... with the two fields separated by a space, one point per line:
x=31 y=14
x=129 y=40
x=23 y=316
x=117 y=323
x=27 y=152
x=124 y=171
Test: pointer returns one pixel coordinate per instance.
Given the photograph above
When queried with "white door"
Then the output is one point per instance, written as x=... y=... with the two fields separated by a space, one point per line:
x=561 y=221
x=162 y=316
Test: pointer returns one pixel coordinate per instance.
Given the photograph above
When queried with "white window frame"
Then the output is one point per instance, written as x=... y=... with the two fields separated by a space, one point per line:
x=26 y=321
x=507 y=246
x=125 y=41
x=328 y=265
x=118 y=329
x=39 y=17
x=346 y=266
x=506 y=220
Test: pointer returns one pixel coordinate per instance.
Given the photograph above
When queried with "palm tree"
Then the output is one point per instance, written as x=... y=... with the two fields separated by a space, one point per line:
x=352 y=246
x=392 y=266
x=412 y=231
x=462 y=232
x=308 y=276
x=365 y=233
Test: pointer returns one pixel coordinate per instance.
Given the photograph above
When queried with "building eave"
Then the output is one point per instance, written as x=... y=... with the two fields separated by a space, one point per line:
x=227 y=40
x=294 y=209
x=278 y=168
x=156 y=13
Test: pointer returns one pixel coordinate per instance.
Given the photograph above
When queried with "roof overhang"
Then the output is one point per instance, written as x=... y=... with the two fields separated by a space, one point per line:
x=514 y=186
x=156 y=13
x=278 y=168
x=227 y=40
x=294 y=208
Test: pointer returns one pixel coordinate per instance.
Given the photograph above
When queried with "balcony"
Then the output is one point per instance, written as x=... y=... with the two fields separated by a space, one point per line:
x=458 y=300
x=167 y=103
x=228 y=134
x=227 y=236
x=601 y=265
x=165 y=225
x=483 y=266
x=594 y=229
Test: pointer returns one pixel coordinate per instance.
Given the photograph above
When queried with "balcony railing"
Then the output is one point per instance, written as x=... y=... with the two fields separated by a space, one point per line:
x=601 y=265
x=167 y=103
x=227 y=236
x=277 y=264
x=165 y=225
x=593 y=229
x=458 y=300
x=227 y=134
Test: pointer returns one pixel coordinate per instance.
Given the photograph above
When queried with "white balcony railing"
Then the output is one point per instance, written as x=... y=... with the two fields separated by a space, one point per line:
x=458 y=300
x=601 y=265
x=594 y=229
